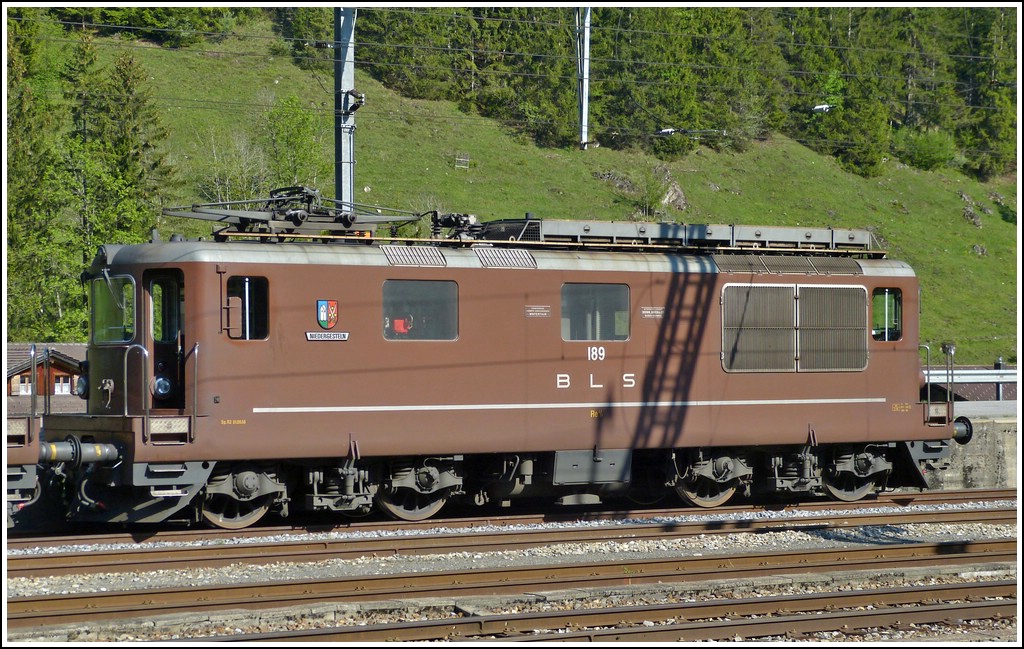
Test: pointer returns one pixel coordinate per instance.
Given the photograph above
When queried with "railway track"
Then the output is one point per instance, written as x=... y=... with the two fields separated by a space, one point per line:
x=743 y=618
x=42 y=611
x=142 y=558
x=18 y=540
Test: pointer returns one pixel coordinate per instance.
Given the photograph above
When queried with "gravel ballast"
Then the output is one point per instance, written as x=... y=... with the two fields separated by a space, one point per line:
x=335 y=614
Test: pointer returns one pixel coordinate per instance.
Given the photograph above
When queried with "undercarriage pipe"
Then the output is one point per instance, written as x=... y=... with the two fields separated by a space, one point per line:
x=74 y=451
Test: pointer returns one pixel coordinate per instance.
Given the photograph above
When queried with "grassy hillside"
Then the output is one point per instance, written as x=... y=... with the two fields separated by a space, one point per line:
x=406 y=151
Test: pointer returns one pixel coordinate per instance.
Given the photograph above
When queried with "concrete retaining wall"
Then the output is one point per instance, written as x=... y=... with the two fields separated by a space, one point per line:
x=990 y=460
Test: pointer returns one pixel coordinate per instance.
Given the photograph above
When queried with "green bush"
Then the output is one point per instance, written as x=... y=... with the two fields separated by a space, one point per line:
x=925 y=150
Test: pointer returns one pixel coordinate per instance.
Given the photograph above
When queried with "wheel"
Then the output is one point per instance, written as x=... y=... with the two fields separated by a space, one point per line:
x=703 y=492
x=846 y=486
x=223 y=511
x=408 y=505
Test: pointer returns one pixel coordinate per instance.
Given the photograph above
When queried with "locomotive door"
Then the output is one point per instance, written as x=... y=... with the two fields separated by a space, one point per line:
x=165 y=299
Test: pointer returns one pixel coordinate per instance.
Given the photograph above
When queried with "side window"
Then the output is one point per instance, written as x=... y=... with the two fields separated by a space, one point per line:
x=421 y=310
x=595 y=312
x=887 y=314
x=24 y=386
x=249 y=296
x=62 y=385
x=166 y=316
x=113 y=309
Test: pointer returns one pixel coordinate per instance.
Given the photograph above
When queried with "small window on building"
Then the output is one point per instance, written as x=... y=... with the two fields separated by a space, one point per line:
x=24 y=386
x=887 y=314
x=249 y=296
x=421 y=310
x=595 y=312
x=62 y=385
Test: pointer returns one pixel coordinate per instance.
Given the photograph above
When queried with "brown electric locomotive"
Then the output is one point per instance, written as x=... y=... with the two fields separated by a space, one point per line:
x=301 y=360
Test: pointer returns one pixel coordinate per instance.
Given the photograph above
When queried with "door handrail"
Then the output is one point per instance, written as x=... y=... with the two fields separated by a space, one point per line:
x=145 y=386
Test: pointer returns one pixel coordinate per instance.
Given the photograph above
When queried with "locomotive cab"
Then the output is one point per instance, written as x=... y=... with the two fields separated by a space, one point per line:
x=124 y=459
x=137 y=339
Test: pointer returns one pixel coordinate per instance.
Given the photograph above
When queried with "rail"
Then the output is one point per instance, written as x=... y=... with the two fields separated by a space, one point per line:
x=973 y=375
x=86 y=608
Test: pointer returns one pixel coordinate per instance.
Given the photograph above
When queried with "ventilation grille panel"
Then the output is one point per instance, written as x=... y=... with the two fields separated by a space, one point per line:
x=505 y=258
x=833 y=328
x=836 y=266
x=788 y=264
x=758 y=333
x=760 y=264
x=794 y=328
x=414 y=256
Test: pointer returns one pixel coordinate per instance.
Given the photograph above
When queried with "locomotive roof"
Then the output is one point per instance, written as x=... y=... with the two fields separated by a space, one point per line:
x=428 y=254
x=304 y=229
x=300 y=214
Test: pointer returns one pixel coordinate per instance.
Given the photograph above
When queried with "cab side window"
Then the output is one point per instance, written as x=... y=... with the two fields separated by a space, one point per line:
x=887 y=314
x=166 y=316
x=249 y=308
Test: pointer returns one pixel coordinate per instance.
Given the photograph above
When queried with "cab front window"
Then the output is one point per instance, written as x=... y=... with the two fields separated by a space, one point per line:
x=113 y=309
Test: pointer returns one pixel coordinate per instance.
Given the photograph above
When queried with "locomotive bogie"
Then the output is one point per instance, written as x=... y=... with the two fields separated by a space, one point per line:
x=241 y=493
x=708 y=477
x=231 y=379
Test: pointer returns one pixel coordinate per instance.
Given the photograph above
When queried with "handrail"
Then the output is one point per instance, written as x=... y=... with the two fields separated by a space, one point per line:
x=33 y=387
x=47 y=384
x=927 y=378
x=974 y=375
x=949 y=350
x=145 y=386
x=195 y=391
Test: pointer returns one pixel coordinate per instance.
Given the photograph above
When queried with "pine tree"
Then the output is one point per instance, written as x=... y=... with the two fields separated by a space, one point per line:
x=988 y=133
x=420 y=52
x=130 y=128
x=308 y=29
x=648 y=80
x=815 y=78
x=44 y=299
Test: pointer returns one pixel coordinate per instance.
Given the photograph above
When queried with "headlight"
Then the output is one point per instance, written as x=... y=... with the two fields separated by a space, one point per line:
x=161 y=386
x=82 y=387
